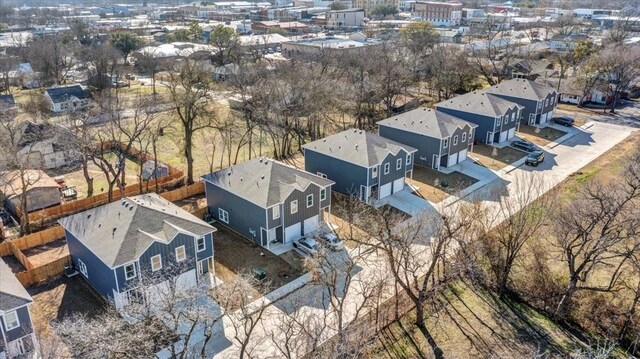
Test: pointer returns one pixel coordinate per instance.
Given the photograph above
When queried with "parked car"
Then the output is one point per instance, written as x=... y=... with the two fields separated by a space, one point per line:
x=331 y=241
x=306 y=245
x=524 y=145
x=534 y=158
x=564 y=121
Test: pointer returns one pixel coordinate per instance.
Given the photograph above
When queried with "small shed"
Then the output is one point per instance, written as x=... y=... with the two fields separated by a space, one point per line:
x=42 y=190
x=149 y=170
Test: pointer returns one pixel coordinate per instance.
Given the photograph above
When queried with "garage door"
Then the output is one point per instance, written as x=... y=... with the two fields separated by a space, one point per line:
x=462 y=155
x=503 y=136
x=311 y=225
x=293 y=232
x=385 y=190
x=543 y=118
x=452 y=160
x=512 y=133
x=398 y=185
x=186 y=280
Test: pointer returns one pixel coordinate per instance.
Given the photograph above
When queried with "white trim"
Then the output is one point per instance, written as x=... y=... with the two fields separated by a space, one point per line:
x=398 y=164
x=204 y=247
x=4 y=319
x=455 y=140
x=291 y=211
x=223 y=215
x=408 y=162
x=273 y=212
x=309 y=196
x=83 y=268
x=184 y=253
x=374 y=172
x=323 y=194
x=464 y=137
x=152 y=258
x=445 y=142
x=134 y=271
x=387 y=168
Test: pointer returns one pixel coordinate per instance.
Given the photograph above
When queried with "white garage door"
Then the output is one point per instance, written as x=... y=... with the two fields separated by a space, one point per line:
x=311 y=225
x=503 y=136
x=543 y=118
x=293 y=232
x=187 y=280
x=398 y=185
x=385 y=190
x=462 y=155
x=452 y=160
x=512 y=133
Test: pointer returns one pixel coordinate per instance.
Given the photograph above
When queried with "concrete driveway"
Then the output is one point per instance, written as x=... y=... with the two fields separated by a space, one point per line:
x=406 y=202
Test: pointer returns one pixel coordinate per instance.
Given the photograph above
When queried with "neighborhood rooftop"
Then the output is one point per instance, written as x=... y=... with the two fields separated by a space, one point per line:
x=12 y=293
x=479 y=102
x=357 y=146
x=263 y=181
x=522 y=88
x=63 y=94
x=428 y=122
x=121 y=231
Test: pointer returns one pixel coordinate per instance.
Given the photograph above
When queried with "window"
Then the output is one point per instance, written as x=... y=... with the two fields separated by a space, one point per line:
x=546 y=102
x=309 y=200
x=223 y=215
x=83 y=268
x=499 y=121
x=445 y=143
x=455 y=140
x=374 y=172
x=464 y=137
x=323 y=194
x=156 y=263
x=399 y=163
x=11 y=320
x=387 y=168
x=275 y=212
x=181 y=254
x=294 y=206
x=321 y=175
x=408 y=159
x=200 y=244
x=130 y=271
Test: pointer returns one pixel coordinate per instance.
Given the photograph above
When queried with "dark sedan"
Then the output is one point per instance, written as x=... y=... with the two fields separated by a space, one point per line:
x=564 y=121
x=524 y=145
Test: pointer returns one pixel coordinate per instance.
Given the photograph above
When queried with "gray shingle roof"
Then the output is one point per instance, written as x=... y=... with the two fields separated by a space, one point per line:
x=479 y=102
x=263 y=181
x=522 y=88
x=121 y=231
x=427 y=122
x=12 y=293
x=359 y=147
x=63 y=94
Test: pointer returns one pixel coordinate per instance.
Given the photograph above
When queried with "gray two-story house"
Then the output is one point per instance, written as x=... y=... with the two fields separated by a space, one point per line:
x=497 y=118
x=17 y=338
x=538 y=101
x=125 y=249
x=267 y=201
x=362 y=164
x=441 y=140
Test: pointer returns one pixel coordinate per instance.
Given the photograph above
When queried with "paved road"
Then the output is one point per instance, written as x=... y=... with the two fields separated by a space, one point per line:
x=561 y=161
x=627 y=115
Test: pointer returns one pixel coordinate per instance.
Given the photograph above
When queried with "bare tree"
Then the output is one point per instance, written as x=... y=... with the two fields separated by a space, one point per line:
x=624 y=27
x=149 y=63
x=52 y=56
x=447 y=71
x=617 y=73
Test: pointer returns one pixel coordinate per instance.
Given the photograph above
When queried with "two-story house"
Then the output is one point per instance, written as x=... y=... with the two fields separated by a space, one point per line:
x=17 y=339
x=362 y=164
x=126 y=248
x=441 y=140
x=538 y=101
x=267 y=201
x=67 y=98
x=497 y=118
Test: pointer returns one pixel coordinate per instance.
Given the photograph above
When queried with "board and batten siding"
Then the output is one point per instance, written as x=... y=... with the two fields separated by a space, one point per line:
x=451 y=148
x=243 y=215
x=99 y=275
x=304 y=212
x=426 y=146
x=170 y=267
x=348 y=177
x=23 y=329
x=393 y=174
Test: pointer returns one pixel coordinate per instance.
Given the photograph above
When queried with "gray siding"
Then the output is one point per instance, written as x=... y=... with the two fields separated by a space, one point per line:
x=426 y=146
x=394 y=174
x=451 y=148
x=485 y=123
x=170 y=267
x=23 y=329
x=272 y=223
x=243 y=215
x=304 y=212
x=348 y=177
x=531 y=105
x=99 y=275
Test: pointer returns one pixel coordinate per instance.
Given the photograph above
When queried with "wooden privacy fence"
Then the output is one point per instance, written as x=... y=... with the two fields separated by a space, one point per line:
x=32 y=240
x=184 y=192
x=41 y=273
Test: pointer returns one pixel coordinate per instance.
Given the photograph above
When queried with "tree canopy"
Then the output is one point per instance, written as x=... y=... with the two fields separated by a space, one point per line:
x=384 y=10
x=126 y=42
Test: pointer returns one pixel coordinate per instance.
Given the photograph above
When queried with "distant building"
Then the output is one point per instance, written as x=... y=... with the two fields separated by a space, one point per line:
x=67 y=98
x=349 y=18
x=368 y=5
x=152 y=171
x=317 y=45
x=439 y=13
x=288 y=27
x=567 y=42
x=42 y=190
x=7 y=102
x=45 y=145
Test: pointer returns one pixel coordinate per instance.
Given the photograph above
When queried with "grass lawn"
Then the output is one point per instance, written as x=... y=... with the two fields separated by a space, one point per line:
x=496 y=158
x=236 y=254
x=435 y=186
x=474 y=323
x=541 y=136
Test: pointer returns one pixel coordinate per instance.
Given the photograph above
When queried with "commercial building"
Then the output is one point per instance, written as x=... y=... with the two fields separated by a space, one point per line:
x=439 y=13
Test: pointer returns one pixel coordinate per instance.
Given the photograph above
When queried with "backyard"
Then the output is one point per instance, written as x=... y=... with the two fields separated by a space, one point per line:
x=496 y=158
x=435 y=186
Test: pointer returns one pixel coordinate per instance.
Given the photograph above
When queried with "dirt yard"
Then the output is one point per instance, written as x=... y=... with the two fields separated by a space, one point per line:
x=541 y=136
x=47 y=253
x=236 y=254
x=496 y=158
x=435 y=186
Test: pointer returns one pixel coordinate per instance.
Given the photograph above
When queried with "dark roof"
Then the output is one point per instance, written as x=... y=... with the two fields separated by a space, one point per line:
x=7 y=101
x=359 y=147
x=479 y=102
x=427 y=122
x=572 y=37
x=36 y=132
x=12 y=293
x=263 y=181
x=522 y=88
x=121 y=231
x=64 y=94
